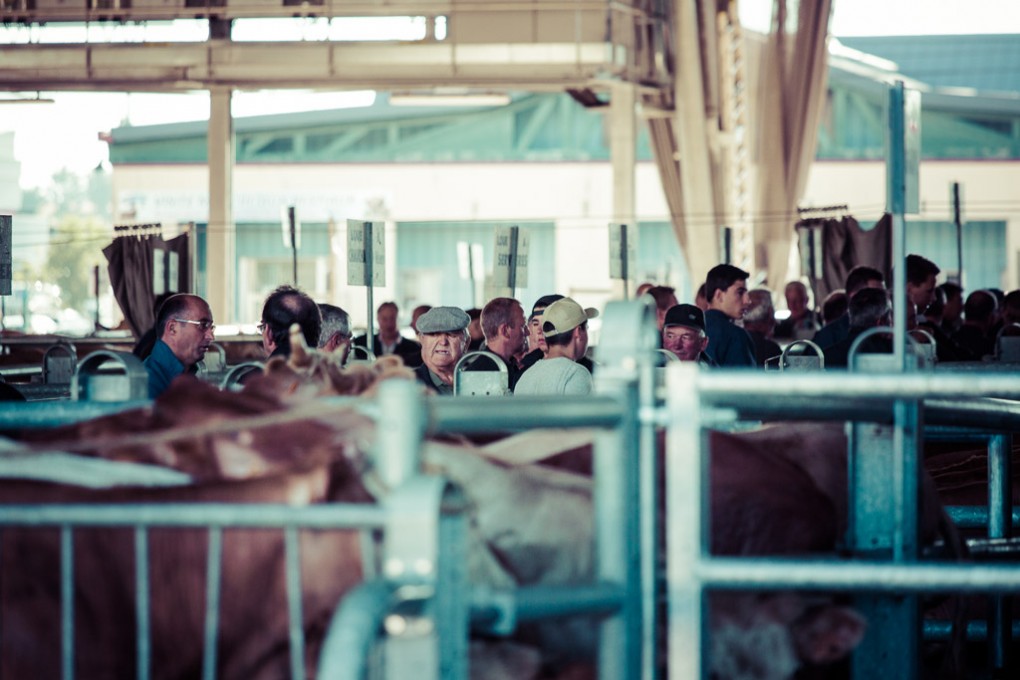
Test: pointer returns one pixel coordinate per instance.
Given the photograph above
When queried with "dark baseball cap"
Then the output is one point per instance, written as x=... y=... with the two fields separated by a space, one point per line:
x=543 y=302
x=685 y=315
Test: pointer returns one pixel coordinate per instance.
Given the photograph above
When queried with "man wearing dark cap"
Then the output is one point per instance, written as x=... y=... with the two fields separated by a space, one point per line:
x=565 y=326
x=683 y=333
x=442 y=332
x=537 y=347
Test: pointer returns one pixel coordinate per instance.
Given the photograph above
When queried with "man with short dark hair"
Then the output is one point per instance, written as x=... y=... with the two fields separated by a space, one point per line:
x=505 y=330
x=665 y=298
x=869 y=307
x=537 y=348
x=857 y=278
x=184 y=331
x=388 y=339
x=335 y=336
x=921 y=275
x=975 y=335
x=443 y=335
x=952 y=307
x=565 y=326
x=683 y=334
x=726 y=292
x=284 y=307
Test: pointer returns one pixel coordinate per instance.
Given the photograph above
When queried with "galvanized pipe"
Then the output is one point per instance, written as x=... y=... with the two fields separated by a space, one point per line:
x=531 y=603
x=67 y=602
x=1000 y=510
x=734 y=387
x=143 y=619
x=856 y=575
x=30 y=416
x=975 y=516
x=522 y=413
x=213 y=580
x=196 y=515
x=295 y=618
x=353 y=630
x=398 y=434
x=976 y=630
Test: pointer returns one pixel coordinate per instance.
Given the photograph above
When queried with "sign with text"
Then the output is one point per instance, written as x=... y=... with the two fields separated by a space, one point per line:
x=510 y=264
x=622 y=251
x=366 y=253
x=6 y=261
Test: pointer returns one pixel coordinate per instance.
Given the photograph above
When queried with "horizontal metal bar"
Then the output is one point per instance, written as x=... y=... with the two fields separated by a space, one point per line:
x=974 y=516
x=200 y=515
x=488 y=414
x=746 y=387
x=961 y=435
x=976 y=630
x=28 y=415
x=993 y=414
x=499 y=611
x=854 y=575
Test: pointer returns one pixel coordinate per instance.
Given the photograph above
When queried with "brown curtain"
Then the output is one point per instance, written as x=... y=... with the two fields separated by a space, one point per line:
x=130 y=265
x=844 y=245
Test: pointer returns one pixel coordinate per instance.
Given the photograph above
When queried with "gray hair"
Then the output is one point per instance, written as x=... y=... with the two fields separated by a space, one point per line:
x=334 y=320
x=761 y=308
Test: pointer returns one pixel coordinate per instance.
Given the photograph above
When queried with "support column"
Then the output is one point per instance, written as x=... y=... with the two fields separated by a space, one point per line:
x=623 y=153
x=220 y=260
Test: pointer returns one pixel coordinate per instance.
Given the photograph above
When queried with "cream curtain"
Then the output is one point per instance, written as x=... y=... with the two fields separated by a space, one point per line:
x=792 y=92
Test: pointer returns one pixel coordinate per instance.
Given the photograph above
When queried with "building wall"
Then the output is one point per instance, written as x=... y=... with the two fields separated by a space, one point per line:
x=988 y=188
x=575 y=198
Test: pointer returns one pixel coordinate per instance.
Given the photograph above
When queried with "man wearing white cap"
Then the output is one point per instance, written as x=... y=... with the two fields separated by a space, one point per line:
x=565 y=327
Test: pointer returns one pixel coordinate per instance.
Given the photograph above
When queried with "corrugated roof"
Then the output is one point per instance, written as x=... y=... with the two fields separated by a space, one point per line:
x=987 y=63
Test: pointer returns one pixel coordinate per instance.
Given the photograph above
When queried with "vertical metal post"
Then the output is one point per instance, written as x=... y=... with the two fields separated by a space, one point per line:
x=958 y=222
x=369 y=278
x=142 y=609
x=399 y=432
x=292 y=225
x=687 y=524
x=896 y=203
x=67 y=602
x=213 y=573
x=95 y=285
x=1000 y=510
x=512 y=274
x=295 y=617
x=617 y=522
x=726 y=245
x=624 y=270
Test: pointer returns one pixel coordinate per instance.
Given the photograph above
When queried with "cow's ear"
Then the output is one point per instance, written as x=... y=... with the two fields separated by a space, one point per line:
x=826 y=634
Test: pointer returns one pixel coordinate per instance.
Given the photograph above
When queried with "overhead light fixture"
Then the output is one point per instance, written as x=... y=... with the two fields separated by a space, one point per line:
x=441 y=98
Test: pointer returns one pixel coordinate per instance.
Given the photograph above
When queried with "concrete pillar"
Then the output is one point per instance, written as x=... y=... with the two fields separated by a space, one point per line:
x=623 y=153
x=221 y=236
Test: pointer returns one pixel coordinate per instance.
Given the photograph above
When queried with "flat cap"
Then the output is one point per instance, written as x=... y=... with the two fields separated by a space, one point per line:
x=443 y=320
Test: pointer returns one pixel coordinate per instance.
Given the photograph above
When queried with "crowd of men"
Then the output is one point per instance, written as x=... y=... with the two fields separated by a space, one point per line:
x=546 y=352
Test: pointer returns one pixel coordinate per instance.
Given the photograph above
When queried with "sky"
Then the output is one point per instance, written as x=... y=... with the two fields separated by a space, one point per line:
x=65 y=134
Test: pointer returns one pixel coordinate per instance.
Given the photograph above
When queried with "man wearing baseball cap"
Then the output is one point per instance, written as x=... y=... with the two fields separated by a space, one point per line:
x=565 y=328
x=683 y=333
x=442 y=332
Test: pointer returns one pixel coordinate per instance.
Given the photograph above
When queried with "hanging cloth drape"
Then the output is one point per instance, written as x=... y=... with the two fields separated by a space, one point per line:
x=792 y=90
x=130 y=263
x=844 y=245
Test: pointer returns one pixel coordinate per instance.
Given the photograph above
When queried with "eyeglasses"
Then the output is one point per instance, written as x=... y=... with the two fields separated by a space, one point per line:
x=202 y=325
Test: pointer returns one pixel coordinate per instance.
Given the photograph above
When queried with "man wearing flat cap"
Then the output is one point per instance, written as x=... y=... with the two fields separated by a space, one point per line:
x=565 y=327
x=683 y=333
x=442 y=332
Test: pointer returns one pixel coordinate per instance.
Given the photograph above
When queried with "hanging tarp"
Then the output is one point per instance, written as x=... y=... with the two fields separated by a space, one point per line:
x=140 y=264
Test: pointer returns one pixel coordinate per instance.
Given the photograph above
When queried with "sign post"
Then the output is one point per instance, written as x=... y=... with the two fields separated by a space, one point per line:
x=366 y=263
x=510 y=266
x=292 y=237
x=622 y=255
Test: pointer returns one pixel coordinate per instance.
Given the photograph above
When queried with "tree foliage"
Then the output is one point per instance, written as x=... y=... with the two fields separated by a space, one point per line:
x=76 y=247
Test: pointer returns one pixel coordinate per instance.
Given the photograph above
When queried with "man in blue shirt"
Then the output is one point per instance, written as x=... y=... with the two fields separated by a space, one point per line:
x=726 y=292
x=184 y=331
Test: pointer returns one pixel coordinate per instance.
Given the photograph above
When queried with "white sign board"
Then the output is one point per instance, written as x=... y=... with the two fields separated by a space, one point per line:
x=158 y=271
x=173 y=272
x=358 y=248
x=510 y=264
x=622 y=251
x=469 y=261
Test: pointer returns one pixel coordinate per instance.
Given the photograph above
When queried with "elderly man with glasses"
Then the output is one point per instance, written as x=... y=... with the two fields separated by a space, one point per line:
x=184 y=331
